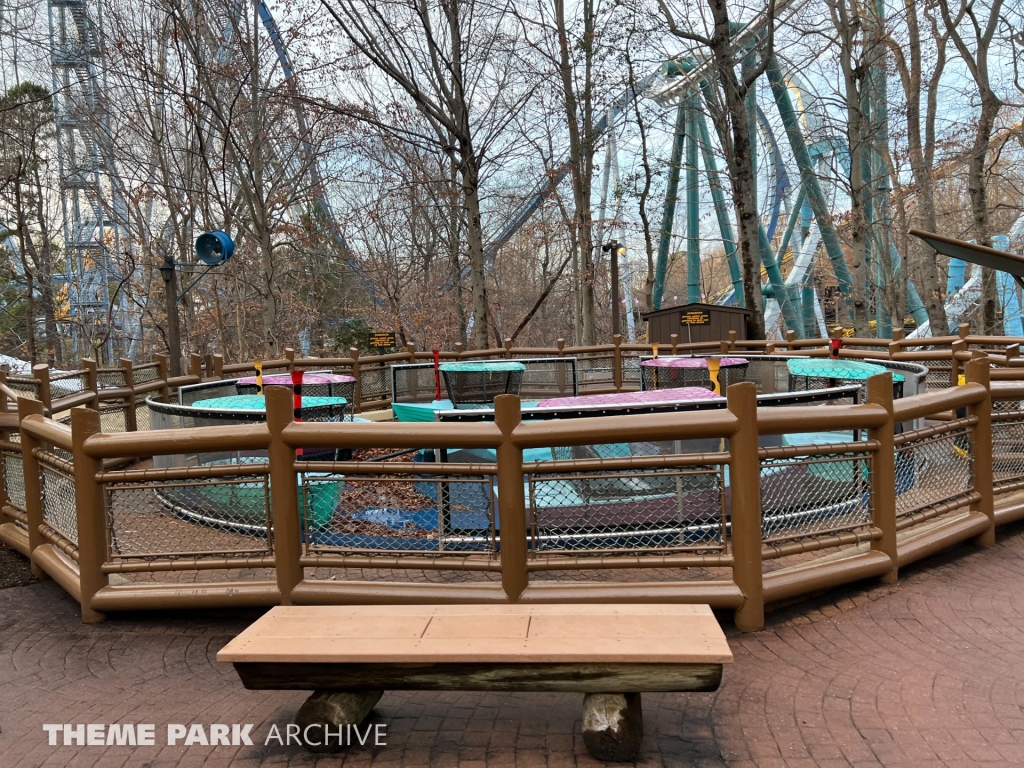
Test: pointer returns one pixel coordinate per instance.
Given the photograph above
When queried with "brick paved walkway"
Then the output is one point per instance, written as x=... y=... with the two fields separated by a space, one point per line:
x=926 y=673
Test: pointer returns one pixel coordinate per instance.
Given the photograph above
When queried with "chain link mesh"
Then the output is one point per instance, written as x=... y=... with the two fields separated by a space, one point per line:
x=375 y=383
x=114 y=418
x=210 y=516
x=542 y=378
x=59 y=509
x=807 y=497
x=144 y=373
x=932 y=471
x=629 y=510
x=413 y=384
x=596 y=371
x=141 y=414
x=24 y=387
x=1007 y=444
x=422 y=513
x=64 y=384
x=14 y=478
x=110 y=378
x=937 y=377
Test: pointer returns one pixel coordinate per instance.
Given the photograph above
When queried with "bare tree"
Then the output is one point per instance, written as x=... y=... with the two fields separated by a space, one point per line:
x=729 y=108
x=910 y=61
x=974 y=49
x=456 y=63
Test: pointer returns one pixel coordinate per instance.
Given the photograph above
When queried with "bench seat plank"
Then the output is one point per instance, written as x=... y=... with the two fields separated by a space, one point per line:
x=492 y=634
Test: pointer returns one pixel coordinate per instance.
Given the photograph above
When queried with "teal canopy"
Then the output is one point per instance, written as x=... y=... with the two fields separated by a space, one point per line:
x=846 y=370
x=258 y=402
x=501 y=366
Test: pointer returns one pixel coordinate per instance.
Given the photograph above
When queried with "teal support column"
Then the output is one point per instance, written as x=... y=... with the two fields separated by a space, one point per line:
x=771 y=266
x=693 y=282
x=790 y=307
x=669 y=212
x=809 y=181
x=809 y=298
x=732 y=257
x=794 y=218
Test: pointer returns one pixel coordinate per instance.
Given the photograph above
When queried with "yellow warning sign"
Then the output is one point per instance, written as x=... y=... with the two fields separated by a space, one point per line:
x=695 y=317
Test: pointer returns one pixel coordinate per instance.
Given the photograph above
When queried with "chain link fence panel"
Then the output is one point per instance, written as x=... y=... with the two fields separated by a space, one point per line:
x=812 y=496
x=200 y=517
x=932 y=471
x=420 y=513
x=59 y=511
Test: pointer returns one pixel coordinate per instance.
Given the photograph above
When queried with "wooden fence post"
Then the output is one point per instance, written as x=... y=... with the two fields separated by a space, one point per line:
x=92 y=381
x=5 y=436
x=41 y=373
x=90 y=511
x=32 y=482
x=883 y=474
x=981 y=450
x=218 y=366
x=617 y=363
x=508 y=348
x=130 y=424
x=163 y=367
x=195 y=366
x=289 y=355
x=458 y=349
x=514 y=576
x=745 y=507
x=357 y=395
x=673 y=340
x=284 y=493
x=955 y=366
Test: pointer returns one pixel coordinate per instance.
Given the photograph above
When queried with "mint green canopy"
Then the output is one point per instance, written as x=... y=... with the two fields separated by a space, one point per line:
x=847 y=370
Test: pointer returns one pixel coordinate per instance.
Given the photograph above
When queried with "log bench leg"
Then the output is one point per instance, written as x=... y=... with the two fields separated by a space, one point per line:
x=613 y=725
x=335 y=710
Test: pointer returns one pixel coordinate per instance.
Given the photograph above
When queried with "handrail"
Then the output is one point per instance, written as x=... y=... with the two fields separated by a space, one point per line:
x=624 y=429
x=811 y=418
x=176 y=441
x=395 y=434
x=48 y=430
x=918 y=406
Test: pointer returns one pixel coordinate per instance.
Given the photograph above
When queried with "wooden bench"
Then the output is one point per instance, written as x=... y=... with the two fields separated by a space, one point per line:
x=348 y=655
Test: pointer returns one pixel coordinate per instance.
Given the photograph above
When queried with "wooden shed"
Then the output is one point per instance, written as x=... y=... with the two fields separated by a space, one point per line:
x=696 y=322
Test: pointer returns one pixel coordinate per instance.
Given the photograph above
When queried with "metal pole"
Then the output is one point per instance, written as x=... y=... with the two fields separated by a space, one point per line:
x=815 y=197
x=721 y=210
x=669 y=214
x=692 y=205
x=170 y=276
x=613 y=254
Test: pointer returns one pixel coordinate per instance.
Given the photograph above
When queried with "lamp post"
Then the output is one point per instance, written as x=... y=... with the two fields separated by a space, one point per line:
x=614 y=249
x=212 y=249
x=169 y=273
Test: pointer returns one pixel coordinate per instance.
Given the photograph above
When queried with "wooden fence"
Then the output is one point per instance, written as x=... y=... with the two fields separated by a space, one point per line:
x=78 y=497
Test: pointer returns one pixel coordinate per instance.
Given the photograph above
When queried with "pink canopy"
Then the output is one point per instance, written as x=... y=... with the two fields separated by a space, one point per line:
x=628 y=398
x=690 y=362
x=308 y=378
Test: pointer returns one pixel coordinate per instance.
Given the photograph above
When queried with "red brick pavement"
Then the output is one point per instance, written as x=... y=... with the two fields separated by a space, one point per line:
x=924 y=673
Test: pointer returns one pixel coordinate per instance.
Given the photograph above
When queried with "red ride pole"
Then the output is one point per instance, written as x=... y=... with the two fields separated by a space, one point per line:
x=297 y=399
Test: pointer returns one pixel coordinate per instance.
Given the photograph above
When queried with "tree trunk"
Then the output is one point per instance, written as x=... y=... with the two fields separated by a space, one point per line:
x=744 y=190
x=931 y=289
x=977 y=188
x=475 y=246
